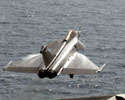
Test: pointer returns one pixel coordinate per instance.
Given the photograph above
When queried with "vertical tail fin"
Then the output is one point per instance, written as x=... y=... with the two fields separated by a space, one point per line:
x=47 y=56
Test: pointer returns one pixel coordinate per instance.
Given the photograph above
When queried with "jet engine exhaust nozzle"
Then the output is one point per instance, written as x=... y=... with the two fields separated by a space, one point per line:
x=45 y=73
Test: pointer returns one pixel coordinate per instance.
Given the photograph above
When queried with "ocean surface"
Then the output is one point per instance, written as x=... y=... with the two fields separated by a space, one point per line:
x=26 y=25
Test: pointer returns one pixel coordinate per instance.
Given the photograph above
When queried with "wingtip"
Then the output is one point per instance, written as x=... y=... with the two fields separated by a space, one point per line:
x=5 y=68
x=100 y=68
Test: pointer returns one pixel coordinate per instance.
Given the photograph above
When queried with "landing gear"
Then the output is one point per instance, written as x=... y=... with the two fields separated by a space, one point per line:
x=71 y=75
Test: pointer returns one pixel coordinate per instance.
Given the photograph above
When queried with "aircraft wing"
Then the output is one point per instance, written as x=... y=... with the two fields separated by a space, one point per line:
x=80 y=64
x=80 y=45
x=29 y=64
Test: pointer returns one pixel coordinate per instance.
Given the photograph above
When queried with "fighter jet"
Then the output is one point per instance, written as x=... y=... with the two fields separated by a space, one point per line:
x=58 y=57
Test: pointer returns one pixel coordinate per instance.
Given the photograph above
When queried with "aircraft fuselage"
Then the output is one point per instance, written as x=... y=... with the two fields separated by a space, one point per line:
x=56 y=65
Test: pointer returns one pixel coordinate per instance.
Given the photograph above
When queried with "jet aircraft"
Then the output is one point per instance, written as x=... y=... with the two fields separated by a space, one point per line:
x=58 y=57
